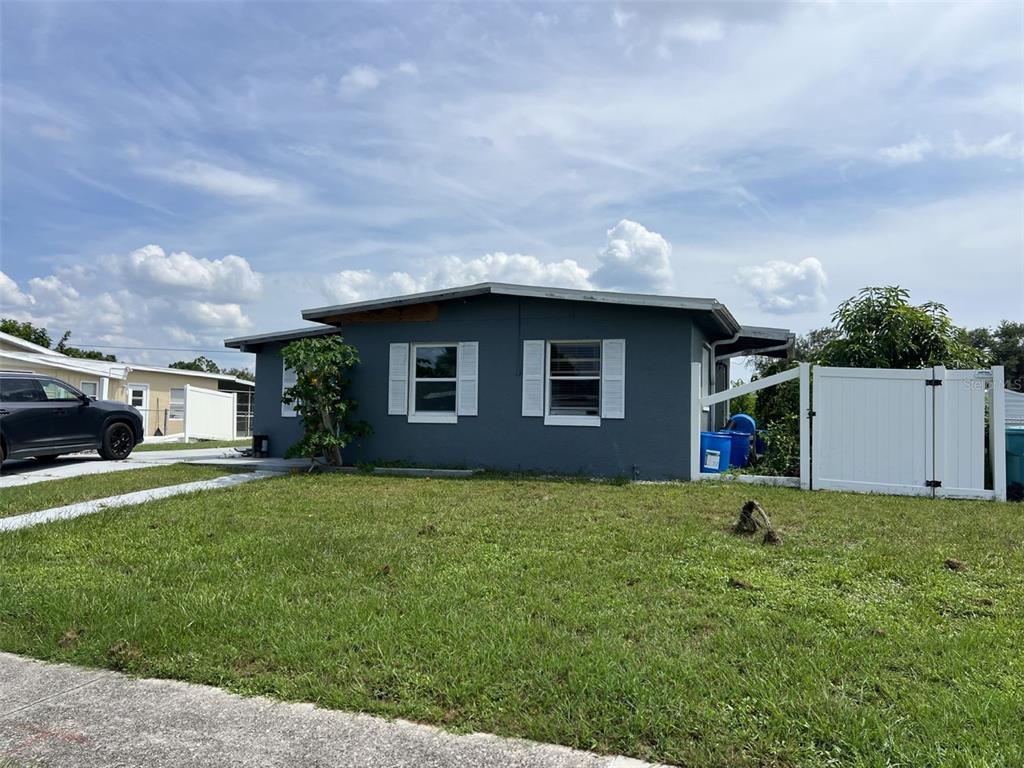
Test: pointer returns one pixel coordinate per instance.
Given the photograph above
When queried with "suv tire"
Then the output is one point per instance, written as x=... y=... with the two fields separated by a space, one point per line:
x=118 y=441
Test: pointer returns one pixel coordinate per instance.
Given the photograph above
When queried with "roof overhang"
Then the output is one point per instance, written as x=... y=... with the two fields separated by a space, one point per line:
x=250 y=343
x=64 y=362
x=337 y=314
x=757 y=340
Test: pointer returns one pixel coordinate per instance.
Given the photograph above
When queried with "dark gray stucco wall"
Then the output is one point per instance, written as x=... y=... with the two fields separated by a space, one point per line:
x=652 y=442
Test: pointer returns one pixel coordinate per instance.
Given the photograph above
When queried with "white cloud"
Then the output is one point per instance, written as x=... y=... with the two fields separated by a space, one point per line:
x=621 y=18
x=359 y=79
x=782 y=287
x=1002 y=146
x=229 y=277
x=635 y=259
x=699 y=31
x=53 y=294
x=220 y=317
x=408 y=68
x=544 y=20
x=223 y=181
x=51 y=132
x=11 y=295
x=451 y=271
x=908 y=152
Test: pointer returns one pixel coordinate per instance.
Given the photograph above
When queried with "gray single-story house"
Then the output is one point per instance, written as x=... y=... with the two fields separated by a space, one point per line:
x=521 y=378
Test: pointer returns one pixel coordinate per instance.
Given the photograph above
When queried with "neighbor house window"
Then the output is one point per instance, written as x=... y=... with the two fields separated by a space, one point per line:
x=288 y=379
x=434 y=382
x=176 y=410
x=574 y=382
x=90 y=388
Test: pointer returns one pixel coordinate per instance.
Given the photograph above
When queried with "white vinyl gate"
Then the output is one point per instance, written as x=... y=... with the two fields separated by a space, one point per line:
x=916 y=432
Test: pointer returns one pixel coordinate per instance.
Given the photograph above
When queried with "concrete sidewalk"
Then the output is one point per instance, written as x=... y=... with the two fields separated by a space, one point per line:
x=60 y=715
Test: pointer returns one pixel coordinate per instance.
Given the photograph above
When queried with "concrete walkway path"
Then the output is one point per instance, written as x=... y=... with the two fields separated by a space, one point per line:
x=60 y=715
x=124 y=500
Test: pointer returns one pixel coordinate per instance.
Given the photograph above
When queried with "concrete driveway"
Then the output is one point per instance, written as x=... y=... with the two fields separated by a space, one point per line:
x=60 y=715
x=28 y=471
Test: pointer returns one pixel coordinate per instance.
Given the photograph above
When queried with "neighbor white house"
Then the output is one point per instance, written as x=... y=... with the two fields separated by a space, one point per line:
x=158 y=393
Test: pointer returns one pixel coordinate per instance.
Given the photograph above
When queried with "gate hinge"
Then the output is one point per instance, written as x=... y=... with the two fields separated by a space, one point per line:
x=933 y=382
x=932 y=483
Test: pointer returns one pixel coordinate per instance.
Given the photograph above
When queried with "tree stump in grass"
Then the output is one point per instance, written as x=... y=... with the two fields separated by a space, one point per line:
x=752 y=519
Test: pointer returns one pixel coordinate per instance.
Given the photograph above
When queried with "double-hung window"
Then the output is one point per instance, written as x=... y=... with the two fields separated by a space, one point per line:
x=574 y=383
x=434 y=383
x=176 y=407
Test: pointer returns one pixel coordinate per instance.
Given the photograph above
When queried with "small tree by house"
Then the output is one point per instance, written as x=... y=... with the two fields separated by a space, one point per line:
x=320 y=396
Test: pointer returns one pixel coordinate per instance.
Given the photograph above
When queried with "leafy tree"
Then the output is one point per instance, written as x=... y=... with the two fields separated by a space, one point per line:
x=320 y=396
x=201 y=363
x=1004 y=345
x=239 y=373
x=880 y=328
x=86 y=354
x=26 y=330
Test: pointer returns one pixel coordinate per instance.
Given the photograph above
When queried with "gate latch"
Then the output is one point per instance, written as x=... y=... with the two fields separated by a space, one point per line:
x=933 y=382
x=932 y=483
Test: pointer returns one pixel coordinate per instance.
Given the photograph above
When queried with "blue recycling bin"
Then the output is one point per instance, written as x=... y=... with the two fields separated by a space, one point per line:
x=1015 y=463
x=715 y=449
x=739 y=449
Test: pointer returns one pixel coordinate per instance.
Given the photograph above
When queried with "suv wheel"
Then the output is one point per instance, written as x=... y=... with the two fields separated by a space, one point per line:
x=118 y=441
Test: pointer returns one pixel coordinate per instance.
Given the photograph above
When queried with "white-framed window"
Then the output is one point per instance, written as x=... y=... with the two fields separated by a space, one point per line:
x=288 y=379
x=573 y=388
x=176 y=407
x=433 y=382
x=574 y=383
x=90 y=388
x=433 y=377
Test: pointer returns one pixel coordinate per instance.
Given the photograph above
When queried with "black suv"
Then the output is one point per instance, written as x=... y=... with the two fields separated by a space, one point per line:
x=44 y=417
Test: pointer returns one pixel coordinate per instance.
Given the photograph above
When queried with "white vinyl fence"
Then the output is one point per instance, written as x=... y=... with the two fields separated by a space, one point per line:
x=209 y=414
x=911 y=432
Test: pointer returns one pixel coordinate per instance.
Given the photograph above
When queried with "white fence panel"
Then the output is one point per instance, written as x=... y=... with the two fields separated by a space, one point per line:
x=960 y=433
x=872 y=430
x=209 y=414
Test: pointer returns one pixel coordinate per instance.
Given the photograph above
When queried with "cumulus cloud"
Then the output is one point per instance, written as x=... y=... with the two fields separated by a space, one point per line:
x=229 y=277
x=908 y=152
x=53 y=294
x=221 y=317
x=357 y=285
x=782 y=287
x=11 y=295
x=359 y=79
x=223 y=181
x=635 y=259
x=1002 y=146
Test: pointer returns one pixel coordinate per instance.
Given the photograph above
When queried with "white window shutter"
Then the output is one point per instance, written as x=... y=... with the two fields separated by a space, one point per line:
x=288 y=379
x=468 y=366
x=533 y=378
x=613 y=379
x=398 y=380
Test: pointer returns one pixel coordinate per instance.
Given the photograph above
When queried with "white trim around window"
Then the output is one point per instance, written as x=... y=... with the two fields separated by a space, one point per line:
x=433 y=416
x=176 y=405
x=565 y=419
x=84 y=386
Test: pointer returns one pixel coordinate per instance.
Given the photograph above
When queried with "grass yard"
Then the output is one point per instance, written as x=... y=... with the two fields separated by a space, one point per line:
x=619 y=618
x=193 y=444
x=57 y=493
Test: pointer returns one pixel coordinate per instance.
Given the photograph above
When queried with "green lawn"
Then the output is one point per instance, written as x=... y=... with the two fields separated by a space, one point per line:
x=193 y=445
x=619 y=618
x=57 y=493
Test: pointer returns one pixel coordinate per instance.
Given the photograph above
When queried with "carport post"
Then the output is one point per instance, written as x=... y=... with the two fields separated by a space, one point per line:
x=997 y=432
x=695 y=414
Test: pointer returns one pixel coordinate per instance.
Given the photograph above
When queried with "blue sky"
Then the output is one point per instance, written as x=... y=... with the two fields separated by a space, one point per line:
x=176 y=174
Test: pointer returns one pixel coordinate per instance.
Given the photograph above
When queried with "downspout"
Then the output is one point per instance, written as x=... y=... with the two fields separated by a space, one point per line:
x=714 y=361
